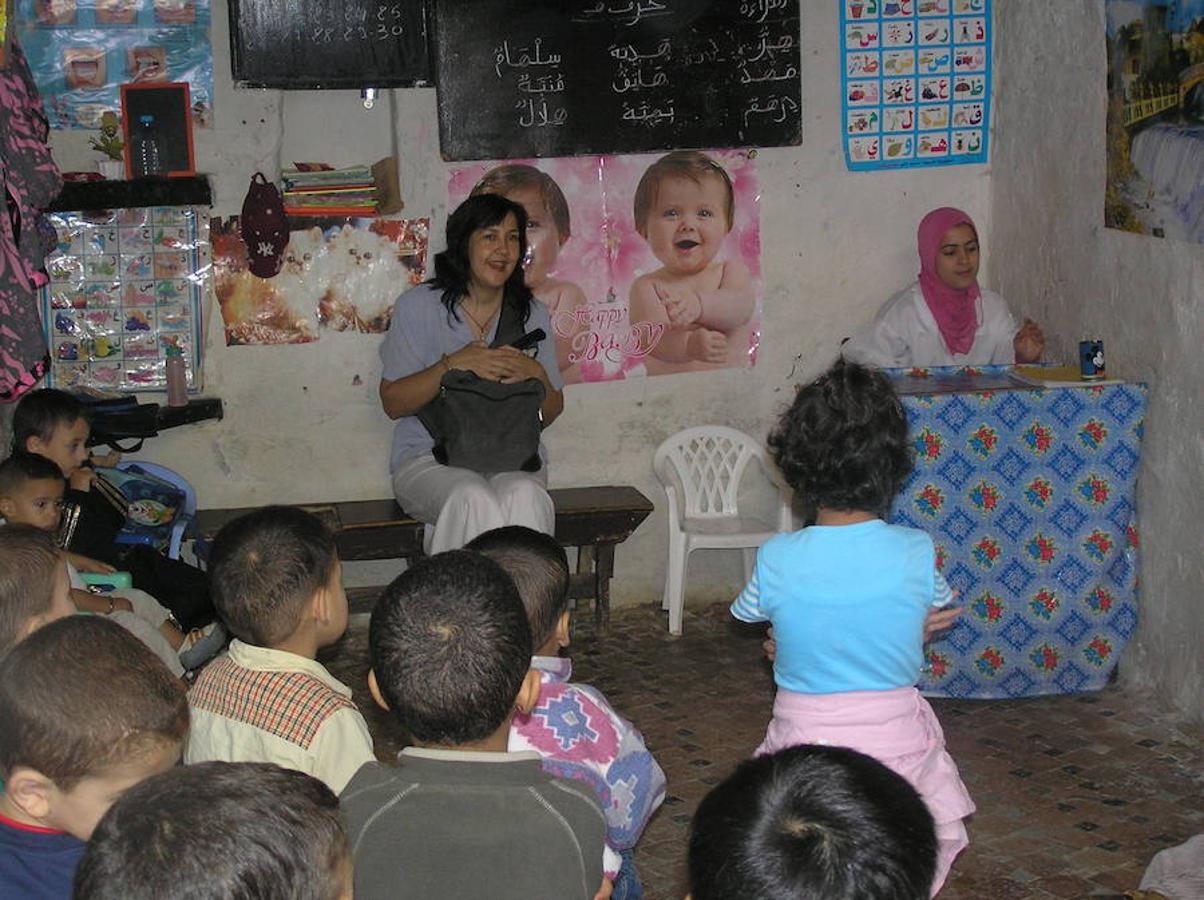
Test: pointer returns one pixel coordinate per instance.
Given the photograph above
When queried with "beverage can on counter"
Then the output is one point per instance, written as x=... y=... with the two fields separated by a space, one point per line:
x=1091 y=359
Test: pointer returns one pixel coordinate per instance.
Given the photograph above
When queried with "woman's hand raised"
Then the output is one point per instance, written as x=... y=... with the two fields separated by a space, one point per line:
x=1029 y=343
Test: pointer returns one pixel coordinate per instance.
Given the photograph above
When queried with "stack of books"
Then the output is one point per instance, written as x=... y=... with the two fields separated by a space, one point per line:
x=317 y=189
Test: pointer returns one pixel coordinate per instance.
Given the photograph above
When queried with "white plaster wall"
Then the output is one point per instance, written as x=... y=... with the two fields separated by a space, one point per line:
x=303 y=423
x=1054 y=260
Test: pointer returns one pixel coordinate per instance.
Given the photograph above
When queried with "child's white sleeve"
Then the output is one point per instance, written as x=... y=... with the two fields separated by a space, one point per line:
x=942 y=594
x=747 y=607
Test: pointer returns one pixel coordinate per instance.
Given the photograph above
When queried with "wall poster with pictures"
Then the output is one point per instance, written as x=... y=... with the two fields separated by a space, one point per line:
x=80 y=51
x=915 y=82
x=1155 y=121
x=338 y=273
x=125 y=285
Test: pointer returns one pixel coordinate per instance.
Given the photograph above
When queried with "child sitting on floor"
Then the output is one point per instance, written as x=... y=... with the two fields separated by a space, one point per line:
x=31 y=493
x=76 y=730
x=459 y=816
x=54 y=424
x=278 y=585
x=847 y=597
x=812 y=823
x=579 y=735
x=228 y=831
x=34 y=590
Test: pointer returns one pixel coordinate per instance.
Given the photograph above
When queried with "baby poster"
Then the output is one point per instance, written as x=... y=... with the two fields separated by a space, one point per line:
x=649 y=265
x=341 y=274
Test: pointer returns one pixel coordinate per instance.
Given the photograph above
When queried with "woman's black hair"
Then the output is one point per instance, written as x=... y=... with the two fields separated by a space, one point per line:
x=843 y=442
x=452 y=268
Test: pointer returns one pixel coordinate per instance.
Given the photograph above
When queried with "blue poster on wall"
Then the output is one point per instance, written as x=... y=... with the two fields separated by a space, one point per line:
x=916 y=82
x=81 y=51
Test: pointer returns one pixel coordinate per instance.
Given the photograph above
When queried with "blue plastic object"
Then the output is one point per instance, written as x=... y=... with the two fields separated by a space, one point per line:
x=183 y=516
x=107 y=581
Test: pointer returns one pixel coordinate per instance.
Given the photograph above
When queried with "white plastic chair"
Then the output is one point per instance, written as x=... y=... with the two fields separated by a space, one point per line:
x=706 y=464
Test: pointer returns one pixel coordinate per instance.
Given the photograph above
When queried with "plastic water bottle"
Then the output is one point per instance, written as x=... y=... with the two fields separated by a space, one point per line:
x=177 y=377
x=146 y=149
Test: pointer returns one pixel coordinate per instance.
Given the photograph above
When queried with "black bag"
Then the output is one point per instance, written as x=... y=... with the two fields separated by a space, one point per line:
x=129 y=422
x=483 y=425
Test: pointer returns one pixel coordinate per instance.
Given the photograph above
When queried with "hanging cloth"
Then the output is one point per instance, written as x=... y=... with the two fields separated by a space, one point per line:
x=955 y=311
x=29 y=181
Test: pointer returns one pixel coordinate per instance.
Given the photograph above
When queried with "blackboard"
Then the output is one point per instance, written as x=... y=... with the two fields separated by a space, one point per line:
x=569 y=77
x=329 y=43
x=171 y=105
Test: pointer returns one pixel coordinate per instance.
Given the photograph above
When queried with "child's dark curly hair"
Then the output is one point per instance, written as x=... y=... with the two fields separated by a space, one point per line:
x=843 y=444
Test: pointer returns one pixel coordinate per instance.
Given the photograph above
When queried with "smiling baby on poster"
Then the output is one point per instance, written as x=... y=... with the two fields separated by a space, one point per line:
x=599 y=275
x=684 y=208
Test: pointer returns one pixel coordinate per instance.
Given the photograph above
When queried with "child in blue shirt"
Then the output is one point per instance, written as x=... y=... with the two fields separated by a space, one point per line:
x=76 y=731
x=849 y=595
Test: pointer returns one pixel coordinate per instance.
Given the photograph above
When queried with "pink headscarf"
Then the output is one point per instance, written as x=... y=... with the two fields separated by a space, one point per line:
x=953 y=309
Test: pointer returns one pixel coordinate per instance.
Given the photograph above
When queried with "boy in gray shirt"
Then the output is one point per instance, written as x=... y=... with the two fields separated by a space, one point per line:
x=459 y=816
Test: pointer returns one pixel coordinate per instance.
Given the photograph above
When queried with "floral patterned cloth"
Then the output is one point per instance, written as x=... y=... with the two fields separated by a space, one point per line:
x=29 y=181
x=1030 y=497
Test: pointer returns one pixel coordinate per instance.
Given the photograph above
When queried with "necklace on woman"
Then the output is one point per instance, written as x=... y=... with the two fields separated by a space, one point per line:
x=480 y=328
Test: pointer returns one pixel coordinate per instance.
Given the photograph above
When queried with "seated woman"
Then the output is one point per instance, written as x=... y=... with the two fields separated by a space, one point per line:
x=945 y=319
x=448 y=323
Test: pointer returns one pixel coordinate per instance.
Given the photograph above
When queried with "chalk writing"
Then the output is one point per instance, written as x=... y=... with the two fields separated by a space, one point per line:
x=627 y=15
x=759 y=10
x=629 y=75
x=355 y=25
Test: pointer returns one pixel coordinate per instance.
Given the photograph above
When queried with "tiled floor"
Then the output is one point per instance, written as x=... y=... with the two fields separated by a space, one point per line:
x=1075 y=794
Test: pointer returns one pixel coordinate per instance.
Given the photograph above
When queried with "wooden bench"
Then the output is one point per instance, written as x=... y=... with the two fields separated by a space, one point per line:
x=592 y=519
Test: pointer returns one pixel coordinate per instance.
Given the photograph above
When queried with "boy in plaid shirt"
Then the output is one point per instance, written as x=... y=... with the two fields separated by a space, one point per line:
x=277 y=584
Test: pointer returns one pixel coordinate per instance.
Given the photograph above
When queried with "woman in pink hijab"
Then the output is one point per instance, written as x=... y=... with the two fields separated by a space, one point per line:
x=945 y=318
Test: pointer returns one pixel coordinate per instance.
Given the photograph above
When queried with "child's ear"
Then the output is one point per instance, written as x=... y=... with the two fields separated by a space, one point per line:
x=320 y=605
x=528 y=694
x=374 y=690
x=34 y=444
x=562 y=628
x=30 y=791
x=6 y=507
x=33 y=623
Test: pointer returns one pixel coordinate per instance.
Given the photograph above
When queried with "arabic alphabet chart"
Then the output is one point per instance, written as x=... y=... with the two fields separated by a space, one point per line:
x=915 y=82
x=125 y=285
x=81 y=51
x=582 y=77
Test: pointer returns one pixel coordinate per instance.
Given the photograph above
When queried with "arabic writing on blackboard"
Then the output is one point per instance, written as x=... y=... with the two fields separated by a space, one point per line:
x=564 y=79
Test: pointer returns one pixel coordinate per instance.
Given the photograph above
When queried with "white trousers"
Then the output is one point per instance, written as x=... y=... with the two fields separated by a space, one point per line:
x=149 y=635
x=458 y=504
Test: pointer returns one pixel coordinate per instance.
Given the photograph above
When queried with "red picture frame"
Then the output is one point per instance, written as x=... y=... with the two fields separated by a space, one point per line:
x=170 y=102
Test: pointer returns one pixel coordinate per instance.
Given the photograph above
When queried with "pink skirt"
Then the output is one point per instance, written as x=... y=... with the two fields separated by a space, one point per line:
x=899 y=729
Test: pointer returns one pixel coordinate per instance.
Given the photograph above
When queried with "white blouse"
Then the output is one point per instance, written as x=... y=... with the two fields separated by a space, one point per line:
x=905 y=334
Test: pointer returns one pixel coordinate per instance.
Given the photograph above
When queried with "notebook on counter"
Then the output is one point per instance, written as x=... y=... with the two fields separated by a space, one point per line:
x=1057 y=376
